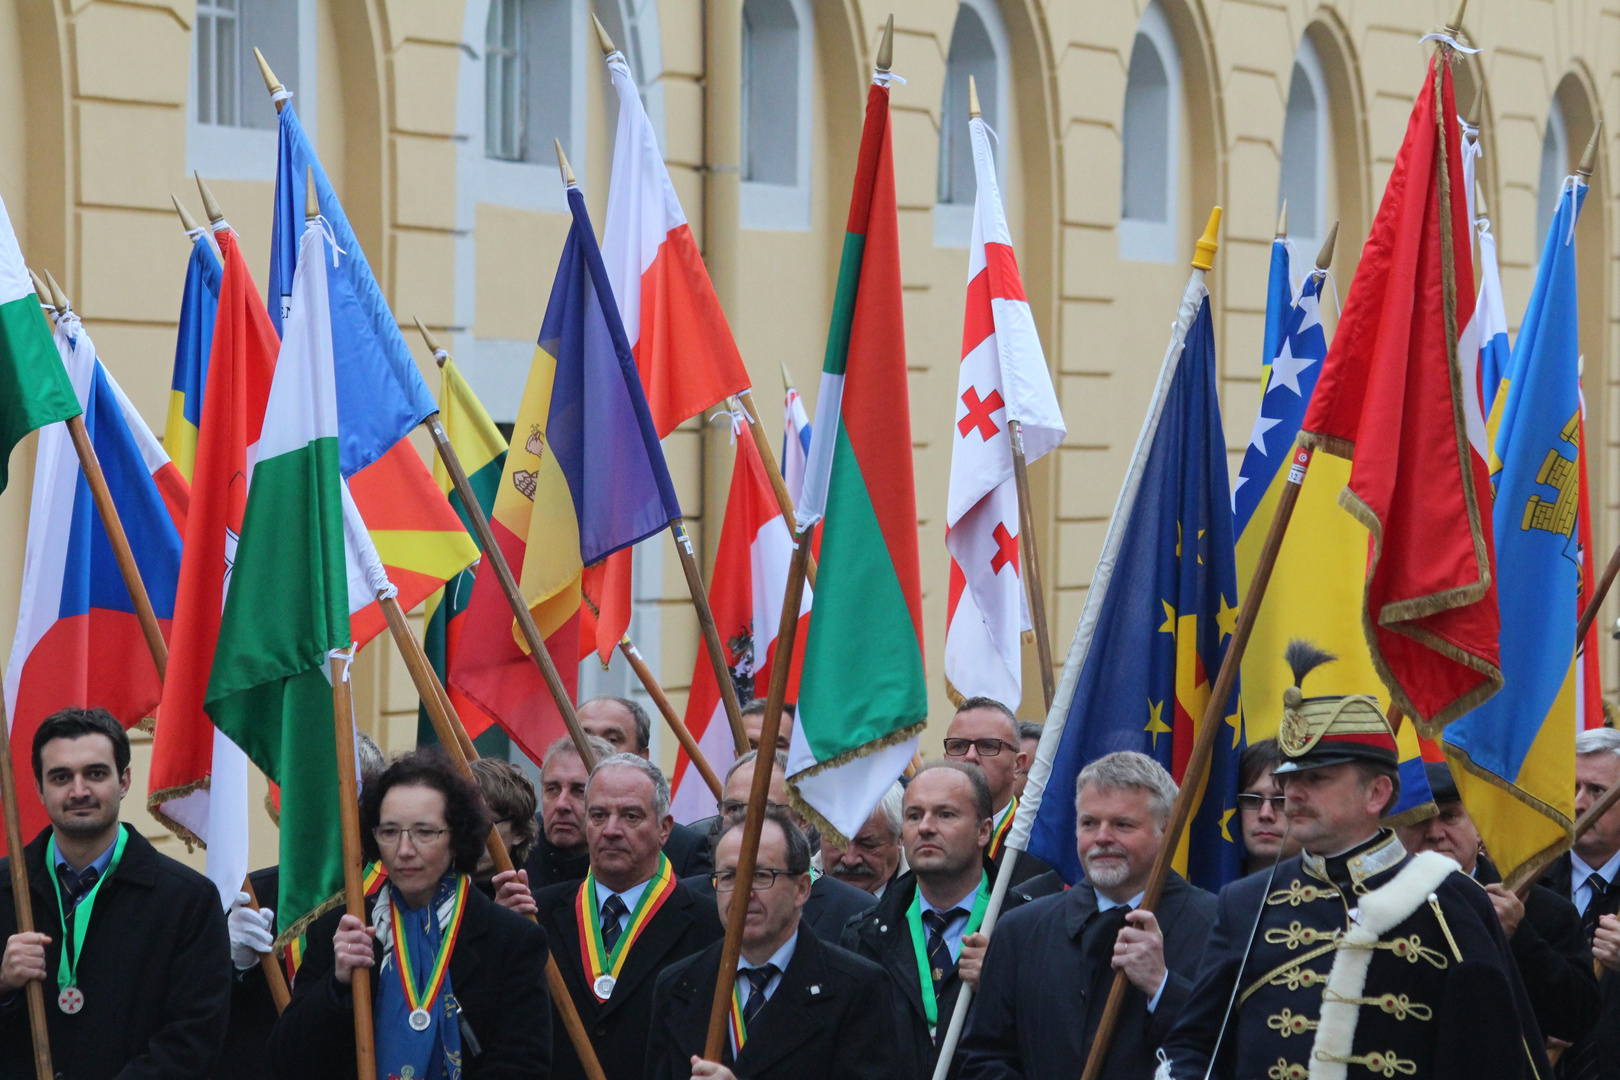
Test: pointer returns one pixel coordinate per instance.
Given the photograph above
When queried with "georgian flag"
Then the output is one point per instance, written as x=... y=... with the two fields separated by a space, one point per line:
x=1003 y=377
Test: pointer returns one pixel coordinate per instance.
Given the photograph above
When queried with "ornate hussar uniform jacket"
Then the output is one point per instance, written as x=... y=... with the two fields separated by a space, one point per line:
x=1371 y=964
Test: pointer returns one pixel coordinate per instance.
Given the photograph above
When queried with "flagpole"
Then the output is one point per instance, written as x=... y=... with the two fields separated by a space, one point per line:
x=1032 y=563
x=458 y=747
x=23 y=903
x=754 y=824
x=711 y=635
x=354 y=896
x=128 y=568
x=1209 y=729
x=273 y=975
x=745 y=405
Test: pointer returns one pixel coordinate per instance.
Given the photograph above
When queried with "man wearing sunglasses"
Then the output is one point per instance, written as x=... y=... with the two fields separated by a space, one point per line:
x=985 y=733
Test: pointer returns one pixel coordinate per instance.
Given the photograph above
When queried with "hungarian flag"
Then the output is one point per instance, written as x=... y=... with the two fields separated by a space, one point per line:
x=745 y=593
x=1002 y=380
x=34 y=390
x=863 y=701
x=1393 y=398
x=287 y=605
x=198 y=302
x=78 y=640
x=198 y=780
x=677 y=332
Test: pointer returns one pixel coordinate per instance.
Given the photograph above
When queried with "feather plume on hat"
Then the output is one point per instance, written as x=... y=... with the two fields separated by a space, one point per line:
x=1303 y=658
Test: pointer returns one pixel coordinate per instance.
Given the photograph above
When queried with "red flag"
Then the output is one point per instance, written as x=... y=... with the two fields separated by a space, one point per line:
x=240 y=367
x=1391 y=398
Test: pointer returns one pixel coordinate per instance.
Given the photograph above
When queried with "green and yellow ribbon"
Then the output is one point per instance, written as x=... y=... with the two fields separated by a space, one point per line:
x=597 y=960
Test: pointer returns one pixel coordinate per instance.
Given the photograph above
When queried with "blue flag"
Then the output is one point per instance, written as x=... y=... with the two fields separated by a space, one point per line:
x=1514 y=756
x=380 y=393
x=1159 y=615
x=599 y=425
x=198 y=303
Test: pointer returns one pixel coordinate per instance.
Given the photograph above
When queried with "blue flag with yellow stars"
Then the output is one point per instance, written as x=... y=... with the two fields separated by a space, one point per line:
x=1158 y=618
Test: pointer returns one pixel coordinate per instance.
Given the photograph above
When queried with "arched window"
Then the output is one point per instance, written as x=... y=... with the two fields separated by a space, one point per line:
x=230 y=121
x=776 y=96
x=1151 y=132
x=528 y=79
x=978 y=49
x=1305 y=149
x=633 y=26
x=1554 y=167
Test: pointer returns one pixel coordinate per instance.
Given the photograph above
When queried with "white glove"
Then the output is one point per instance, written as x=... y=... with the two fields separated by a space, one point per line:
x=252 y=933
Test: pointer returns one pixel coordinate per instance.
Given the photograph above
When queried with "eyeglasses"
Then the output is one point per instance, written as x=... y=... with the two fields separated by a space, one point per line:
x=733 y=807
x=985 y=747
x=1252 y=803
x=764 y=878
x=389 y=835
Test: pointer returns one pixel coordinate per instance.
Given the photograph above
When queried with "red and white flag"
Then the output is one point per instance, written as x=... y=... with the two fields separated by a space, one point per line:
x=1395 y=397
x=750 y=578
x=678 y=333
x=1003 y=378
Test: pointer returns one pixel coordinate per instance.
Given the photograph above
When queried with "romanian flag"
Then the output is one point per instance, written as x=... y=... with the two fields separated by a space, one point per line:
x=197 y=306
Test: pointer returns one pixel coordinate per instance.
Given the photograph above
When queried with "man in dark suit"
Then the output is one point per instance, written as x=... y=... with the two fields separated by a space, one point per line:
x=831 y=903
x=802 y=1009
x=149 y=990
x=984 y=732
x=638 y=918
x=1051 y=962
x=1543 y=931
x=924 y=931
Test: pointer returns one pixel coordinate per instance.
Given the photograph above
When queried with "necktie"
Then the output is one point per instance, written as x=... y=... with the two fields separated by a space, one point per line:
x=939 y=953
x=758 y=979
x=1594 y=905
x=612 y=912
x=74 y=886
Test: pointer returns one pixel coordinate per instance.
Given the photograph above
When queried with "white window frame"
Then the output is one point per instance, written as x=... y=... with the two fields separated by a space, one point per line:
x=241 y=153
x=1547 y=194
x=953 y=221
x=1310 y=234
x=1157 y=241
x=786 y=207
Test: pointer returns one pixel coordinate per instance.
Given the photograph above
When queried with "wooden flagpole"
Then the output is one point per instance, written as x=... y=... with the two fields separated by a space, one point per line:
x=459 y=748
x=273 y=975
x=711 y=634
x=737 y=914
x=745 y=405
x=127 y=567
x=354 y=895
x=24 y=904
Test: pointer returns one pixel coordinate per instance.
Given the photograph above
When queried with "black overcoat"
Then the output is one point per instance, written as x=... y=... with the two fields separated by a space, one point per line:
x=1555 y=960
x=1596 y=1056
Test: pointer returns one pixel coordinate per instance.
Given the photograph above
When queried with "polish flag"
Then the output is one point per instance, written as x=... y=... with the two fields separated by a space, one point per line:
x=750 y=578
x=678 y=333
x=1003 y=378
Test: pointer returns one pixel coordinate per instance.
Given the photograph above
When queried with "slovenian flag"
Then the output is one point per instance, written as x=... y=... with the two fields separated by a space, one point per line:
x=198 y=302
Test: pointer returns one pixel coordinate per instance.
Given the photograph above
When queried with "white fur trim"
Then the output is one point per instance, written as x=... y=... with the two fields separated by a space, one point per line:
x=1382 y=910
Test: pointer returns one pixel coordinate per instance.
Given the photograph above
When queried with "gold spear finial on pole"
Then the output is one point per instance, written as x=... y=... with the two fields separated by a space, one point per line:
x=59 y=298
x=602 y=39
x=1475 y=109
x=271 y=83
x=973 y=99
x=1479 y=200
x=42 y=290
x=1455 y=25
x=312 y=201
x=1324 y=258
x=1589 y=159
x=562 y=163
x=439 y=355
x=787 y=377
x=1282 y=221
x=885 y=53
x=1204 y=251
x=186 y=220
x=210 y=206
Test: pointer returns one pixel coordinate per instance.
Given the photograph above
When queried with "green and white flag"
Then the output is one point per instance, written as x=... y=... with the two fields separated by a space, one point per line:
x=287 y=601
x=34 y=387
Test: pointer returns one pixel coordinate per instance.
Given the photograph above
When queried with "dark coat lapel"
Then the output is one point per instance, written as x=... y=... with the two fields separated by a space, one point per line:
x=795 y=1014
x=647 y=954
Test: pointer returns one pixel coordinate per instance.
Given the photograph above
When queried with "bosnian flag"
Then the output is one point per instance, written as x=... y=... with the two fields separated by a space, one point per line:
x=677 y=331
x=78 y=641
x=745 y=592
x=1003 y=378
x=795 y=444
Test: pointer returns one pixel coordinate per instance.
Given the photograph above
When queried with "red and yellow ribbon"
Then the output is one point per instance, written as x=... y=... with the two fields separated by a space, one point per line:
x=739 y=1026
x=998 y=835
x=597 y=960
x=441 y=963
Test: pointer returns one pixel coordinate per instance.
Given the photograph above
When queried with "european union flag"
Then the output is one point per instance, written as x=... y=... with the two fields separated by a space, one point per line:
x=1160 y=613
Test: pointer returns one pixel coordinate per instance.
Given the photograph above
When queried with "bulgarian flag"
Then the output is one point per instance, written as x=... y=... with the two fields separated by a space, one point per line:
x=863 y=702
x=287 y=604
x=34 y=387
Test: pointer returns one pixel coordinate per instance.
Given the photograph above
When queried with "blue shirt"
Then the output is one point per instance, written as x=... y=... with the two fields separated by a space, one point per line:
x=781 y=958
x=630 y=896
x=69 y=878
x=955 y=927
x=1581 y=892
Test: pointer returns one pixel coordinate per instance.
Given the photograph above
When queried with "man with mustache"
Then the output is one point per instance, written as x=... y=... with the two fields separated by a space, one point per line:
x=1051 y=962
x=130 y=945
x=872 y=859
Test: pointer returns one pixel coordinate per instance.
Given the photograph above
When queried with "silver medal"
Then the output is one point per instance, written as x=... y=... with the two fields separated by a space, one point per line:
x=419 y=1020
x=604 y=986
x=70 y=1000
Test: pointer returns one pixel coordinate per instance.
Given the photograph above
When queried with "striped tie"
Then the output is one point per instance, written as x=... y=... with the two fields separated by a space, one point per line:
x=612 y=912
x=939 y=953
x=758 y=979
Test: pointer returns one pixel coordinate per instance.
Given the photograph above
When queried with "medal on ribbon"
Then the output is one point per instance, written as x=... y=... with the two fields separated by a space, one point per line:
x=419 y=1001
x=926 y=975
x=70 y=999
x=602 y=967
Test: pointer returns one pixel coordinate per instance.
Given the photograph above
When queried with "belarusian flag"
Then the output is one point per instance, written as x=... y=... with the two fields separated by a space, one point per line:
x=287 y=604
x=34 y=387
x=862 y=701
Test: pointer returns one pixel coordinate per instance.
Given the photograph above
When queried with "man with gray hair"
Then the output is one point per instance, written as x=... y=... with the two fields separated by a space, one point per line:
x=874 y=857
x=613 y=932
x=1051 y=962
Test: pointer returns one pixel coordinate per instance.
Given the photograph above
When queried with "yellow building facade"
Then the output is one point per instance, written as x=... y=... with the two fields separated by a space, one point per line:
x=1120 y=123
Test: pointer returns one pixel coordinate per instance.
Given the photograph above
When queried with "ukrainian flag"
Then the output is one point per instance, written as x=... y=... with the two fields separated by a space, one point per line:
x=1517 y=751
x=197 y=305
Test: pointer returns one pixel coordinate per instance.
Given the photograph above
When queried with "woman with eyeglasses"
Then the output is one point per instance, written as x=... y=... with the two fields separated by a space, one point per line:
x=1260 y=808
x=456 y=979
